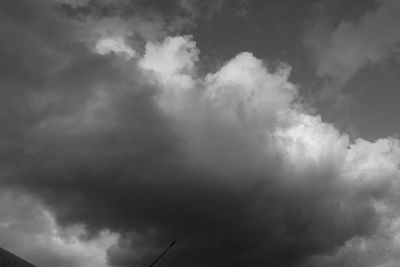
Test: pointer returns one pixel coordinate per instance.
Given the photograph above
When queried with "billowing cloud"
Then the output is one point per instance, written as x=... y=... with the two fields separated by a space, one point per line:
x=341 y=51
x=120 y=156
x=29 y=230
x=115 y=45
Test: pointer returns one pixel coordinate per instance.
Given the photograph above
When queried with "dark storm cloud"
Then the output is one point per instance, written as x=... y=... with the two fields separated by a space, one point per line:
x=229 y=165
x=50 y=89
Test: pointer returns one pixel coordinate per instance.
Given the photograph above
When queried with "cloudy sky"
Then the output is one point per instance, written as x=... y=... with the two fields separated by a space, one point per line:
x=254 y=133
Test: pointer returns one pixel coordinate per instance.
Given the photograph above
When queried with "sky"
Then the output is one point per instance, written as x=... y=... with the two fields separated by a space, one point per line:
x=252 y=133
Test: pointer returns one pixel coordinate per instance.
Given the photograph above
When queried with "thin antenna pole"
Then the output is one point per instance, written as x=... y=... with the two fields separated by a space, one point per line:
x=162 y=254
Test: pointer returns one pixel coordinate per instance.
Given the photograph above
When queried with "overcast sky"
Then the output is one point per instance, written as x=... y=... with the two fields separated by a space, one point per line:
x=254 y=133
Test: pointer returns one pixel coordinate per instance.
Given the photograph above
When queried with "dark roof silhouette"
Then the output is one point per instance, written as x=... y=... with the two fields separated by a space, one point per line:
x=7 y=259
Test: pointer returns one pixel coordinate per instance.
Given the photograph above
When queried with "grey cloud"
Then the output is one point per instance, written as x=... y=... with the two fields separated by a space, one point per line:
x=29 y=230
x=238 y=177
x=341 y=50
x=201 y=9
